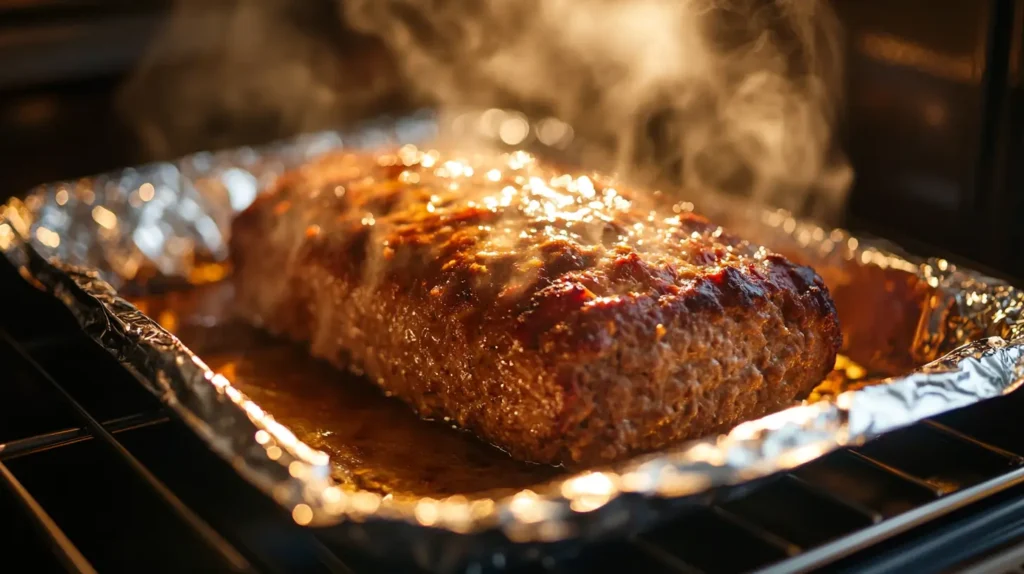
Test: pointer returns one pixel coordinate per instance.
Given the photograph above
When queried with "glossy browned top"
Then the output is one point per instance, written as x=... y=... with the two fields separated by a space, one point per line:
x=501 y=235
x=560 y=316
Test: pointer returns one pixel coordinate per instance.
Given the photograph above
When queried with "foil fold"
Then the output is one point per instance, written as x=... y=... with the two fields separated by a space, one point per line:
x=163 y=226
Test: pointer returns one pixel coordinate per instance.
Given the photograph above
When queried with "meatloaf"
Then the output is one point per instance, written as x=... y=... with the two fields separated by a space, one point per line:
x=560 y=316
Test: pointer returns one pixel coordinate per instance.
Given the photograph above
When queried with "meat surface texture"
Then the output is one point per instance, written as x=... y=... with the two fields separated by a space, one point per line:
x=560 y=316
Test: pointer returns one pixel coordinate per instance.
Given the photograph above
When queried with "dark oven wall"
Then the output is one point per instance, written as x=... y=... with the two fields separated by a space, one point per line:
x=77 y=75
x=59 y=65
x=932 y=113
x=933 y=124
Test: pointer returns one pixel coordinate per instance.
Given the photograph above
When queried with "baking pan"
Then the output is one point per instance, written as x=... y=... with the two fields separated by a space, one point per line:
x=139 y=257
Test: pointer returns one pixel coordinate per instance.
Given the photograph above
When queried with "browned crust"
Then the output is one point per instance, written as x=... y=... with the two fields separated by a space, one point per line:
x=608 y=347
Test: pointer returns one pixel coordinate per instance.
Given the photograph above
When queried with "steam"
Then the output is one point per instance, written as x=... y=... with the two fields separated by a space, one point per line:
x=705 y=96
x=726 y=95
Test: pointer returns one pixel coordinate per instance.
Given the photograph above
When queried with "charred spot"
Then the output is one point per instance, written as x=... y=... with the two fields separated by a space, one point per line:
x=803 y=278
x=803 y=288
x=736 y=288
x=550 y=306
x=704 y=296
x=726 y=287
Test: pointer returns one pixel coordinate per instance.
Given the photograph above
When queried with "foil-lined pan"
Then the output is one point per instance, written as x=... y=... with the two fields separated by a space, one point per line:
x=138 y=257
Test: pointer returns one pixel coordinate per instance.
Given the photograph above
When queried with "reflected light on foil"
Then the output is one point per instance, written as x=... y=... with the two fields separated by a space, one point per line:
x=333 y=495
x=800 y=415
x=706 y=453
x=220 y=381
x=335 y=501
x=104 y=217
x=253 y=410
x=17 y=222
x=796 y=456
x=298 y=470
x=481 y=508
x=207 y=373
x=6 y=236
x=302 y=514
x=845 y=400
x=284 y=436
x=427 y=512
x=47 y=237
x=672 y=482
x=147 y=192
x=315 y=457
x=589 y=491
x=366 y=502
x=637 y=481
x=527 y=507
x=592 y=483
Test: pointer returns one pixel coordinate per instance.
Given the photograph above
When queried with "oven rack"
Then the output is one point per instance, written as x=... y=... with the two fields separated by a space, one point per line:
x=111 y=483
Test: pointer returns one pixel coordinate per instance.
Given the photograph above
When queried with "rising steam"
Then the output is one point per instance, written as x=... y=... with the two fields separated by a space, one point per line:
x=736 y=95
x=739 y=96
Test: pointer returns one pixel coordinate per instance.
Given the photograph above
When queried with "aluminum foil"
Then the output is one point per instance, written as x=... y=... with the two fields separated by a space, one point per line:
x=935 y=337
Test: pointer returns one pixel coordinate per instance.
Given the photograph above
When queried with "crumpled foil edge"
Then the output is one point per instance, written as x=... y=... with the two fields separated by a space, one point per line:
x=988 y=362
